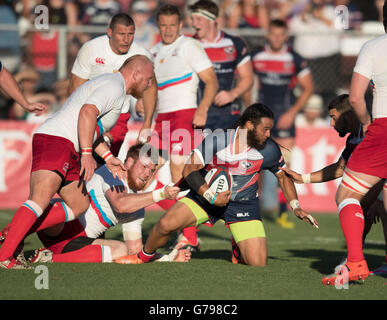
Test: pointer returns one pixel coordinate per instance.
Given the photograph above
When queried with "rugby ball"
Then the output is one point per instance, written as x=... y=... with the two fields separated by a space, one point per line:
x=218 y=179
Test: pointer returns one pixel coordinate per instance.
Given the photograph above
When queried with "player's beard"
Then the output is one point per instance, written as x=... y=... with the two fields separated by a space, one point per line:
x=347 y=123
x=137 y=92
x=254 y=141
x=132 y=183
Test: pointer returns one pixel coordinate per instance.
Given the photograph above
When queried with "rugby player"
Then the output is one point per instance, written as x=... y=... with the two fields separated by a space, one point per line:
x=106 y=54
x=367 y=164
x=62 y=149
x=113 y=201
x=233 y=69
x=279 y=70
x=344 y=121
x=245 y=150
x=180 y=63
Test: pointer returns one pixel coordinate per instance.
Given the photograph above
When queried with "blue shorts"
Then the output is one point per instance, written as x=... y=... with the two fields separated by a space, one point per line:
x=234 y=212
x=243 y=217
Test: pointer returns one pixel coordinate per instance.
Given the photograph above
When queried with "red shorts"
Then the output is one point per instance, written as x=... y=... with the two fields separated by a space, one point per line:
x=55 y=154
x=174 y=132
x=71 y=230
x=370 y=156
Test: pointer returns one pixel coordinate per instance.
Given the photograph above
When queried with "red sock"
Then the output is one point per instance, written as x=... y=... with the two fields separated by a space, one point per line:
x=55 y=214
x=352 y=224
x=92 y=253
x=165 y=204
x=21 y=222
x=146 y=257
x=191 y=235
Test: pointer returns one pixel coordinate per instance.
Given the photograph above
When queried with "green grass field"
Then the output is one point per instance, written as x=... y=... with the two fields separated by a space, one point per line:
x=298 y=259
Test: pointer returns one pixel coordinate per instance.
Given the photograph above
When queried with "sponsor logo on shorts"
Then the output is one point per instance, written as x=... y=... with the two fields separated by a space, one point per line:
x=242 y=214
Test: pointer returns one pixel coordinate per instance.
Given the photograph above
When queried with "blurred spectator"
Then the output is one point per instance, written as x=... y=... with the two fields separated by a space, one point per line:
x=28 y=80
x=146 y=32
x=284 y=9
x=317 y=41
x=10 y=50
x=99 y=12
x=247 y=14
x=311 y=117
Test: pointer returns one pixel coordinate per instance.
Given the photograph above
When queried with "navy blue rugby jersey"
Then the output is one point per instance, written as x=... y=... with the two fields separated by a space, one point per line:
x=225 y=53
x=277 y=76
x=218 y=150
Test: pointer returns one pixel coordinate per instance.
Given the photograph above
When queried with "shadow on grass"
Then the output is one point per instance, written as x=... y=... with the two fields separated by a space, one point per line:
x=325 y=261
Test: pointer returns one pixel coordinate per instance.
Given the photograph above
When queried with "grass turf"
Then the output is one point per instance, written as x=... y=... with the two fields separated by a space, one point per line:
x=297 y=261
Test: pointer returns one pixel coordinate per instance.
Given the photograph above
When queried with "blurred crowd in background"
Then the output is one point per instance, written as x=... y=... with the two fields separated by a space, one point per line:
x=31 y=55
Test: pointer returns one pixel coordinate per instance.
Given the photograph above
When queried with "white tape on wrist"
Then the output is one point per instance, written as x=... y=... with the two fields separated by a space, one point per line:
x=306 y=178
x=158 y=194
x=294 y=204
x=209 y=195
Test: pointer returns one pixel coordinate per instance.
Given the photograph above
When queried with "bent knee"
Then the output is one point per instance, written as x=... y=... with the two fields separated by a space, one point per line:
x=119 y=250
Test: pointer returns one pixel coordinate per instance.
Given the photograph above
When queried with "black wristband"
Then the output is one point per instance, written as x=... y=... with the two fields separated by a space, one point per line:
x=195 y=180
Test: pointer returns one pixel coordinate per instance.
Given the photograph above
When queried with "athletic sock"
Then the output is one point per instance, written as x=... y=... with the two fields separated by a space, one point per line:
x=145 y=257
x=55 y=214
x=21 y=222
x=191 y=235
x=283 y=204
x=352 y=223
x=92 y=253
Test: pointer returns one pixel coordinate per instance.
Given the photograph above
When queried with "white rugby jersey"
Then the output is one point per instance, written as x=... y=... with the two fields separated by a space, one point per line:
x=100 y=216
x=64 y=123
x=372 y=63
x=176 y=68
x=96 y=57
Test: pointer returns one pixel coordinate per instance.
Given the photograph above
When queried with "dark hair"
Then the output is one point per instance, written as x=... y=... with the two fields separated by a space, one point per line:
x=278 y=23
x=168 y=10
x=205 y=5
x=121 y=18
x=254 y=113
x=385 y=15
x=340 y=103
x=142 y=149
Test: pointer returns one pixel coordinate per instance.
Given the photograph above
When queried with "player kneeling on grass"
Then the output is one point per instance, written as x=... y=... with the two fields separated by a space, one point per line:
x=244 y=151
x=112 y=201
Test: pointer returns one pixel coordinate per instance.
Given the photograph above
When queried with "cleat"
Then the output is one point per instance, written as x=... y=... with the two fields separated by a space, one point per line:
x=42 y=255
x=13 y=264
x=3 y=234
x=183 y=243
x=130 y=259
x=235 y=252
x=283 y=221
x=350 y=271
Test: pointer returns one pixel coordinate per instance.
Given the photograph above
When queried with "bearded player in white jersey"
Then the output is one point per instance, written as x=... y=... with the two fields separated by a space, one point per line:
x=112 y=201
x=106 y=54
x=62 y=150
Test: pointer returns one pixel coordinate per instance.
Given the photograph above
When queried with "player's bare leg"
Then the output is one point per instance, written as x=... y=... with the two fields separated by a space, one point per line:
x=253 y=251
x=179 y=216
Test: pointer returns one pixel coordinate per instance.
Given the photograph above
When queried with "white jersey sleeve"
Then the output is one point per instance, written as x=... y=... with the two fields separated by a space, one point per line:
x=372 y=64
x=83 y=63
x=196 y=56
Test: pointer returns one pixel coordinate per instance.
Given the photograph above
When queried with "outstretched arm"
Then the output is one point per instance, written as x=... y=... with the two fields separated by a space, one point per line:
x=9 y=85
x=290 y=193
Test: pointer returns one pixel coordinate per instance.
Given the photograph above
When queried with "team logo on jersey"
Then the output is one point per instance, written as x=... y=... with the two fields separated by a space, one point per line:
x=100 y=60
x=229 y=50
x=245 y=165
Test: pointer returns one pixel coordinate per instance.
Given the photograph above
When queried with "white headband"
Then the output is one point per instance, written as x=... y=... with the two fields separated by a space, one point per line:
x=204 y=13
